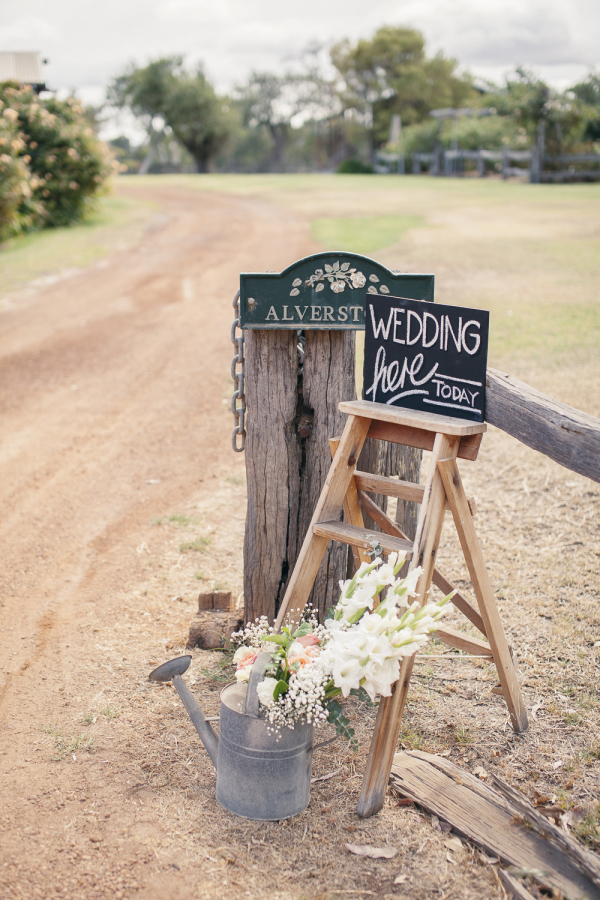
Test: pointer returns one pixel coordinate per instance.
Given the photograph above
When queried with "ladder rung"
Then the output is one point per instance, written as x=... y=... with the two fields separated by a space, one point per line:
x=390 y=487
x=358 y=537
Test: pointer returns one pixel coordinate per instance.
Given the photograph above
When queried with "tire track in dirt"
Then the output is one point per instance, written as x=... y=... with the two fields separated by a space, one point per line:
x=109 y=380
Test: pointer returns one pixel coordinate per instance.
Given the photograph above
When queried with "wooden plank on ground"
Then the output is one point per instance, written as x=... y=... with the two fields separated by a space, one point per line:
x=568 y=436
x=484 y=816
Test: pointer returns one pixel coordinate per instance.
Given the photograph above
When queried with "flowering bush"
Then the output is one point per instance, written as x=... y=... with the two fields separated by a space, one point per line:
x=52 y=158
x=358 y=649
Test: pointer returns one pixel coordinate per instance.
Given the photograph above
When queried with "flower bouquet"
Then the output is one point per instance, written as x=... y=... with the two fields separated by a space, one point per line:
x=358 y=648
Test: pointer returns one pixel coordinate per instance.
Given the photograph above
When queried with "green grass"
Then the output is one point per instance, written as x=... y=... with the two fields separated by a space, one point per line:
x=180 y=521
x=200 y=545
x=527 y=253
x=115 y=223
x=362 y=234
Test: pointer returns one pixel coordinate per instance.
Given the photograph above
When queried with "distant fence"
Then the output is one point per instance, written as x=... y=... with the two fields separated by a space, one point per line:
x=451 y=163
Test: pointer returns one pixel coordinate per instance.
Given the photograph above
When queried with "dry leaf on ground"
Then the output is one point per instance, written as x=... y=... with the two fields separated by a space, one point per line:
x=372 y=852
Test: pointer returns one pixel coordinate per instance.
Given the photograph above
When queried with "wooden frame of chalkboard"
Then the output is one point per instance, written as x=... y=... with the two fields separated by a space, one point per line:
x=426 y=356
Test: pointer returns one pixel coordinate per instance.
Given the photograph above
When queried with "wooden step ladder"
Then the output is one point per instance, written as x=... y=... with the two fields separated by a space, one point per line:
x=448 y=439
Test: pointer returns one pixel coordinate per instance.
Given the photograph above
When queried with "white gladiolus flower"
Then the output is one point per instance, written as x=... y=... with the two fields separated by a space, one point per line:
x=363 y=644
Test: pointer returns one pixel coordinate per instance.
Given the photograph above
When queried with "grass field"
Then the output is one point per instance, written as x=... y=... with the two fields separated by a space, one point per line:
x=528 y=253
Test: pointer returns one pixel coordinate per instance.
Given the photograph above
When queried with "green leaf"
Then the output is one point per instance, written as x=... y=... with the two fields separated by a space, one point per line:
x=304 y=629
x=341 y=723
x=280 y=688
x=281 y=639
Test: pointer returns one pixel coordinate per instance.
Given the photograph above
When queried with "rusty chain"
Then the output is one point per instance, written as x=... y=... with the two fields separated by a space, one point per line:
x=239 y=412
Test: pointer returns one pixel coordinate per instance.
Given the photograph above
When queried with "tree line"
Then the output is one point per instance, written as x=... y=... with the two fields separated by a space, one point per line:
x=332 y=110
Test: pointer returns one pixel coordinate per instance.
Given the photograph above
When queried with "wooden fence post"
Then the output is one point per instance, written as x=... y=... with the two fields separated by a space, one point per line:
x=286 y=470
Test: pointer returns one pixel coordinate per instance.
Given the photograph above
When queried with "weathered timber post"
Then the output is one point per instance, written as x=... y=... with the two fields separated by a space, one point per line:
x=292 y=410
x=299 y=352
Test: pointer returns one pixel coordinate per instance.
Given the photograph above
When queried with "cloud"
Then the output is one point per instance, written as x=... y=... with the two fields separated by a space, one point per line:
x=548 y=33
x=27 y=33
x=89 y=43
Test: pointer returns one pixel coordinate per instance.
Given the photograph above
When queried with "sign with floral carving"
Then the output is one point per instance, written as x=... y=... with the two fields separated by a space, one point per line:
x=326 y=291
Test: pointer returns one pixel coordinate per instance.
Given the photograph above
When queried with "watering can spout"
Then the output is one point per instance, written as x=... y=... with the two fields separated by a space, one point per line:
x=173 y=670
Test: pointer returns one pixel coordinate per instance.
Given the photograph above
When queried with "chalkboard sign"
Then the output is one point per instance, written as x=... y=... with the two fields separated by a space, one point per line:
x=325 y=291
x=426 y=356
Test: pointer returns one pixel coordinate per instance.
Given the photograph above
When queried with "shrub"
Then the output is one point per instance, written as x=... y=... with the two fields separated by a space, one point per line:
x=59 y=160
x=14 y=177
x=354 y=167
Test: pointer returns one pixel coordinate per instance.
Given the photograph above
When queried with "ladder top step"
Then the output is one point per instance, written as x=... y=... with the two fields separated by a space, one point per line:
x=413 y=418
x=359 y=537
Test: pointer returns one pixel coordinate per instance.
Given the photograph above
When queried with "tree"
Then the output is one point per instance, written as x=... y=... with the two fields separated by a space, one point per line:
x=588 y=92
x=391 y=74
x=554 y=120
x=185 y=101
x=266 y=101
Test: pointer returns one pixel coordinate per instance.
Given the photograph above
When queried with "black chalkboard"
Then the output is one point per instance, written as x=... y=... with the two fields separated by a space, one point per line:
x=426 y=356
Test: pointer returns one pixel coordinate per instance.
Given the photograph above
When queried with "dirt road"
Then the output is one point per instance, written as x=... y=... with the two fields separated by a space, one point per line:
x=120 y=498
x=111 y=396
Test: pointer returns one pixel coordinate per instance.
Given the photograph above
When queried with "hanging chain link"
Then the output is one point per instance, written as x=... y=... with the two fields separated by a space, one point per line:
x=239 y=412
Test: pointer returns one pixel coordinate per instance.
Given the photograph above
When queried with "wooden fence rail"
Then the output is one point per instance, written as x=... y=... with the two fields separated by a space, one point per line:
x=451 y=163
x=566 y=435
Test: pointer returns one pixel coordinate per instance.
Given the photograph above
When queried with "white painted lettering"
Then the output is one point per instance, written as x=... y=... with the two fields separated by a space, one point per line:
x=343 y=314
x=301 y=314
x=432 y=341
x=413 y=315
x=475 y=337
x=314 y=310
x=457 y=338
x=415 y=368
x=446 y=391
x=397 y=324
x=356 y=310
x=328 y=313
x=272 y=315
x=380 y=328
x=285 y=317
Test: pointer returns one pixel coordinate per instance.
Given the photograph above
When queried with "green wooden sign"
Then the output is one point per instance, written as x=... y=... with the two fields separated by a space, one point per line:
x=326 y=291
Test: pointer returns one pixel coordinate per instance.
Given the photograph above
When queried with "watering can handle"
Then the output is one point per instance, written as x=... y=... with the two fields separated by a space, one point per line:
x=257 y=673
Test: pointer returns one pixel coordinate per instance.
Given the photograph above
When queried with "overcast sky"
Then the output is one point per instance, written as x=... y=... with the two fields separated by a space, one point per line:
x=88 y=42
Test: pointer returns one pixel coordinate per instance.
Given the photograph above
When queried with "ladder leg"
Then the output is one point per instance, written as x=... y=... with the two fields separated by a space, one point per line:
x=387 y=726
x=328 y=507
x=457 y=501
x=352 y=511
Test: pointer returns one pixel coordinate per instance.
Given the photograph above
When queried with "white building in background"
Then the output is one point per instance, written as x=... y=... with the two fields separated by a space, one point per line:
x=24 y=66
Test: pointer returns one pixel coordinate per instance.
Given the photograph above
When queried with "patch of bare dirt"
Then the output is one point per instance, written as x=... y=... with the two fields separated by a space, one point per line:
x=122 y=499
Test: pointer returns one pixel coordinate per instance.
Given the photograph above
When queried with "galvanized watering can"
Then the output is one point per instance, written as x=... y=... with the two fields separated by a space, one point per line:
x=260 y=775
